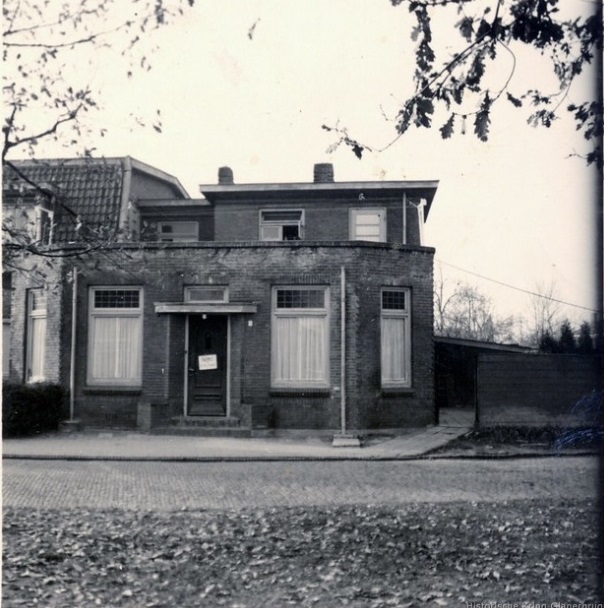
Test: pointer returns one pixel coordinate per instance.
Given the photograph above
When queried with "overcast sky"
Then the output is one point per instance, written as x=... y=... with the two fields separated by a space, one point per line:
x=517 y=210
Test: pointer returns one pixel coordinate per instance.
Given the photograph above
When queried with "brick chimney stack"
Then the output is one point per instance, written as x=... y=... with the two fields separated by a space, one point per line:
x=323 y=173
x=225 y=176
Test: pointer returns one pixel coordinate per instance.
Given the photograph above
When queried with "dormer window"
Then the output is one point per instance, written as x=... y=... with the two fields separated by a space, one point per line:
x=281 y=225
x=44 y=225
x=181 y=232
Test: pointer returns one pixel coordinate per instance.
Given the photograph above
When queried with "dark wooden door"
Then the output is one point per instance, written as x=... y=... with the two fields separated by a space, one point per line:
x=207 y=366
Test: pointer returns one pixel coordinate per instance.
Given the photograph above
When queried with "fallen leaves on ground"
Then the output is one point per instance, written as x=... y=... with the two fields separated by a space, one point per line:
x=359 y=556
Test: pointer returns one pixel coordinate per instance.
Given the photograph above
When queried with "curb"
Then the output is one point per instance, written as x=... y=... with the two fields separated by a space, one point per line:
x=215 y=459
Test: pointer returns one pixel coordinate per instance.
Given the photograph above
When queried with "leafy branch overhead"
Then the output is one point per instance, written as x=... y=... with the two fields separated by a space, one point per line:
x=461 y=85
x=40 y=42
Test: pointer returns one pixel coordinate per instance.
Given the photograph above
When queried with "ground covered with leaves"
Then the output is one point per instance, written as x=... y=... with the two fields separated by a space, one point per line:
x=515 y=441
x=361 y=556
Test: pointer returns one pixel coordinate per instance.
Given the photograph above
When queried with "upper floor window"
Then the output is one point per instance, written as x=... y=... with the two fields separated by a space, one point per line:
x=281 y=225
x=115 y=336
x=178 y=231
x=44 y=225
x=368 y=225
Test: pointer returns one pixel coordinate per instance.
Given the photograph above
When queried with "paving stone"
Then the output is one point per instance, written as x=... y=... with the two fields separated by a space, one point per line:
x=234 y=485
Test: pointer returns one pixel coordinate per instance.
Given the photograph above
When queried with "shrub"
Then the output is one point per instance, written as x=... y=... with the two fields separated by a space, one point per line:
x=32 y=408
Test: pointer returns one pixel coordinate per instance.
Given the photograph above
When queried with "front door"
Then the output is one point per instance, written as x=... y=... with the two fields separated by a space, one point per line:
x=207 y=365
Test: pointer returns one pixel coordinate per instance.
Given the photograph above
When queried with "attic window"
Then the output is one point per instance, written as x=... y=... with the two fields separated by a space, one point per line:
x=282 y=225
x=44 y=225
x=178 y=231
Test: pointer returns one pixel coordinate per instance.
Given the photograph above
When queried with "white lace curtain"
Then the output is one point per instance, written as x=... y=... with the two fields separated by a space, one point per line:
x=116 y=349
x=299 y=354
x=395 y=368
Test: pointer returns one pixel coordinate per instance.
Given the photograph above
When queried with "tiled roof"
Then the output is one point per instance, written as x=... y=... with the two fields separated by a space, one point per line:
x=87 y=190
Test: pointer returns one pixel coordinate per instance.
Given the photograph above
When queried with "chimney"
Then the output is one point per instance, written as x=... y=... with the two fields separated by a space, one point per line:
x=225 y=176
x=323 y=173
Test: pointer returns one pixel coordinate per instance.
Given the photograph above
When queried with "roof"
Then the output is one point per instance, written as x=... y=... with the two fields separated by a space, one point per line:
x=225 y=193
x=93 y=191
x=512 y=348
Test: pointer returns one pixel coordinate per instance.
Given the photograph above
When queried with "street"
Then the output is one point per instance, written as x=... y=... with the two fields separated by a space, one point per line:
x=270 y=534
x=165 y=486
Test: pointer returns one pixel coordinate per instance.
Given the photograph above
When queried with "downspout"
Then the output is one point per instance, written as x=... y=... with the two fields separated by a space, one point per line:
x=343 y=350
x=342 y=439
x=74 y=323
x=421 y=219
x=404 y=218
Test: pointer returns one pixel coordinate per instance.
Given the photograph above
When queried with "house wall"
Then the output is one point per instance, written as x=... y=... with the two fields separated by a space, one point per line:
x=203 y=215
x=535 y=390
x=325 y=219
x=50 y=278
x=146 y=186
x=250 y=270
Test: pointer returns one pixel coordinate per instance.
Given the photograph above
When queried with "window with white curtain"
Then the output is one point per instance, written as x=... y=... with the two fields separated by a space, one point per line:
x=36 y=335
x=300 y=337
x=368 y=225
x=115 y=336
x=396 y=337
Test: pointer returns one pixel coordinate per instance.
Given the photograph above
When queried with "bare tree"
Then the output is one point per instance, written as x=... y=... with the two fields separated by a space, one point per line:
x=465 y=312
x=46 y=98
x=545 y=311
x=42 y=44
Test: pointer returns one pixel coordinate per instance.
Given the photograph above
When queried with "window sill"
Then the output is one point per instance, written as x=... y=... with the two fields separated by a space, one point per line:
x=397 y=391
x=112 y=390
x=300 y=392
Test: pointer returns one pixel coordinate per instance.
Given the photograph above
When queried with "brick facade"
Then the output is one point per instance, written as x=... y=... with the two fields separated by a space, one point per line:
x=230 y=254
x=250 y=270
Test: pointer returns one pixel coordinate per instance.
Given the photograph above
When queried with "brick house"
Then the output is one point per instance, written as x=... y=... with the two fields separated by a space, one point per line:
x=303 y=306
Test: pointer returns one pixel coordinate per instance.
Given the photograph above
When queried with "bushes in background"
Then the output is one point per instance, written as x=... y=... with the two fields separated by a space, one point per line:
x=28 y=409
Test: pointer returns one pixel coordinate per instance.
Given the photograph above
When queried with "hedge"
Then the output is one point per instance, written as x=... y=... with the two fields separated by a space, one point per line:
x=28 y=409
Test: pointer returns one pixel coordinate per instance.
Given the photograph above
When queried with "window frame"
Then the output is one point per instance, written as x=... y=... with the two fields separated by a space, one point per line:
x=41 y=235
x=355 y=212
x=280 y=223
x=405 y=381
x=6 y=340
x=126 y=312
x=36 y=314
x=314 y=312
x=224 y=299
x=180 y=239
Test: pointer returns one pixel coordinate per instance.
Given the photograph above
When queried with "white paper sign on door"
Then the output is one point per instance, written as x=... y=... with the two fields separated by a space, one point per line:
x=207 y=362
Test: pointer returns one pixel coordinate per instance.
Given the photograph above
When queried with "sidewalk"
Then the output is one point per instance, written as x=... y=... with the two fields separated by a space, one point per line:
x=139 y=446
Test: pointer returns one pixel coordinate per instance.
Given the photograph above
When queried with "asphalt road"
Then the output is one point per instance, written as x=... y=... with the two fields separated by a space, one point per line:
x=165 y=486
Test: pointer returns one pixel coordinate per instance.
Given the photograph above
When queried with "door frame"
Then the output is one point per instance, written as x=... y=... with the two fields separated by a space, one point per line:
x=186 y=365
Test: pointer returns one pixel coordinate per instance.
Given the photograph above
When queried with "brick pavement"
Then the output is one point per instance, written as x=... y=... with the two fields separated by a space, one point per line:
x=164 y=486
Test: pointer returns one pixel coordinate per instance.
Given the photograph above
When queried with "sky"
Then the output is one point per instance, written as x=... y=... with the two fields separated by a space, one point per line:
x=249 y=85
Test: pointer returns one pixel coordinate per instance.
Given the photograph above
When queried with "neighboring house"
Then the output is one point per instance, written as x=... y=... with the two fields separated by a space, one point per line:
x=261 y=305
